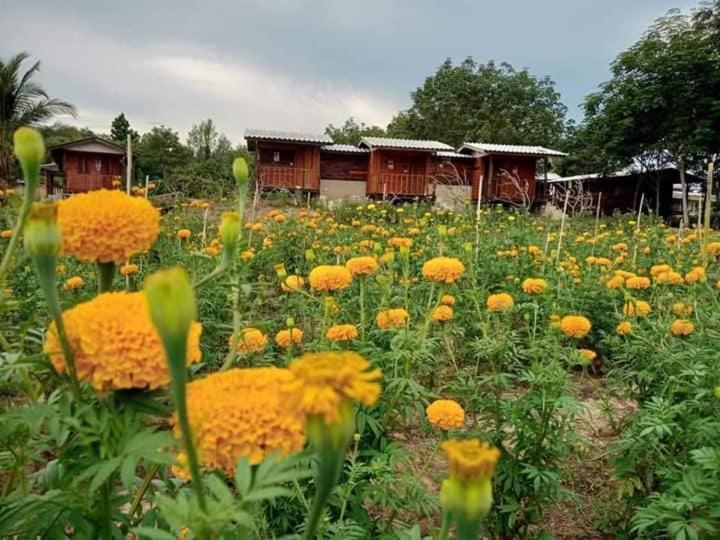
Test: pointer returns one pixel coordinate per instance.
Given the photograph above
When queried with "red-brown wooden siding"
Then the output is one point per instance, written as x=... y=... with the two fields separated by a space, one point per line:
x=81 y=172
x=499 y=186
x=409 y=174
x=344 y=166
x=303 y=172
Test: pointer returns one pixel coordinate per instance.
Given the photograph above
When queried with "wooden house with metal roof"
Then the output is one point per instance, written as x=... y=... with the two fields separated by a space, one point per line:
x=84 y=165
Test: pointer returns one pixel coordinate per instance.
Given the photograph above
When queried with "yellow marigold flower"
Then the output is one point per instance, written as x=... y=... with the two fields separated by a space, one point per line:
x=624 y=328
x=615 y=282
x=399 y=242
x=247 y=255
x=330 y=278
x=442 y=313
x=361 y=265
x=113 y=350
x=447 y=300
x=682 y=327
x=658 y=269
x=129 y=269
x=713 y=248
x=443 y=269
x=534 y=286
x=669 y=278
x=290 y=335
x=250 y=340
x=243 y=413
x=107 y=226
x=575 y=326
x=470 y=460
x=73 y=283
x=392 y=318
x=695 y=275
x=211 y=251
x=325 y=381
x=637 y=282
x=292 y=283
x=445 y=414
x=342 y=332
x=534 y=250
x=637 y=308
x=682 y=310
x=500 y=302
x=602 y=261
x=588 y=354
x=6 y=234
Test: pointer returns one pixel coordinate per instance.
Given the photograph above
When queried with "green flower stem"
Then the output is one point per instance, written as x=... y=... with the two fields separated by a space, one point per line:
x=329 y=469
x=362 y=307
x=176 y=349
x=135 y=506
x=105 y=275
x=445 y=527
x=45 y=269
x=17 y=230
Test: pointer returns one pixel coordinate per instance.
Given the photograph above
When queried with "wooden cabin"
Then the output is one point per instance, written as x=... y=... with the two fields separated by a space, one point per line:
x=401 y=167
x=507 y=172
x=343 y=171
x=286 y=160
x=83 y=165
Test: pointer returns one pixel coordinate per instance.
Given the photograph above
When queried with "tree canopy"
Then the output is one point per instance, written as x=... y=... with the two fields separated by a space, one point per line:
x=483 y=102
x=120 y=129
x=351 y=132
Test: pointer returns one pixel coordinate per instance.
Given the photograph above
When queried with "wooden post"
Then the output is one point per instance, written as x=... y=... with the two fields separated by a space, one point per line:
x=708 y=207
x=637 y=228
x=147 y=181
x=477 y=218
x=597 y=222
x=128 y=181
x=562 y=226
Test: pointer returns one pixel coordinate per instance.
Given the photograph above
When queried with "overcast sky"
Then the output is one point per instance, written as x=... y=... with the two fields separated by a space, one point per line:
x=301 y=64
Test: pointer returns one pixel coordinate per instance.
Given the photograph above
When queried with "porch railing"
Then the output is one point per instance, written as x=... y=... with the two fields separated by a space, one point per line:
x=404 y=184
x=272 y=176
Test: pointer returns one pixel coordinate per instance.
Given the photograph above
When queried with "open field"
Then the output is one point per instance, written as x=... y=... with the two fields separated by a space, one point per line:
x=589 y=359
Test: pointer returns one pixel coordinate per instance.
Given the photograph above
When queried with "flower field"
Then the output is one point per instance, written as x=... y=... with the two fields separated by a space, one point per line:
x=374 y=371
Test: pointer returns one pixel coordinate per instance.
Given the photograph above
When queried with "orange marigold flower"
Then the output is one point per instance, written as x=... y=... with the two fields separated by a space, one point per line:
x=445 y=414
x=695 y=275
x=6 y=234
x=624 y=328
x=330 y=278
x=588 y=355
x=243 y=413
x=250 y=340
x=107 y=225
x=658 y=269
x=325 y=381
x=575 y=326
x=113 y=350
x=500 y=302
x=290 y=335
x=637 y=282
x=534 y=286
x=399 y=242
x=682 y=327
x=129 y=269
x=448 y=300
x=443 y=269
x=342 y=332
x=713 y=248
x=292 y=283
x=682 y=310
x=615 y=282
x=470 y=460
x=442 y=313
x=361 y=265
x=637 y=308
x=392 y=318
x=73 y=283
x=670 y=278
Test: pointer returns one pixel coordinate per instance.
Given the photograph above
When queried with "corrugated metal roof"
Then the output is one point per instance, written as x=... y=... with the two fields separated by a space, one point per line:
x=511 y=149
x=404 y=144
x=268 y=134
x=451 y=154
x=345 y=148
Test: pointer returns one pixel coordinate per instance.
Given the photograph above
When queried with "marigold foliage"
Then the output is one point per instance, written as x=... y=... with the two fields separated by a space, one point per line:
x=445 y=414
x=470 y=460
x=330 y=278
x=243 y=413
x=113 y=350
x=443 y=269
x=107 y=226
x=575 y=326
x=324 y=381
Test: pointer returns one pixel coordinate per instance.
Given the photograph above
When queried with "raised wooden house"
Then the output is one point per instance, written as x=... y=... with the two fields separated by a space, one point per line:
x=84 y=165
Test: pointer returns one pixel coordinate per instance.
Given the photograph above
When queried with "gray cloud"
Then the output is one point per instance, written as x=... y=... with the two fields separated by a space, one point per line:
x=296 y=64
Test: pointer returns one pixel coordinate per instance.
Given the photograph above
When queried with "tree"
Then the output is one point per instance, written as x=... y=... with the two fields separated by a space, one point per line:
x=23 y=102
x=351 y=132
x=483 y=102
x=664 y=95
x=159 y=151
x=59 y=133
x=120 y=129
x=203 y=139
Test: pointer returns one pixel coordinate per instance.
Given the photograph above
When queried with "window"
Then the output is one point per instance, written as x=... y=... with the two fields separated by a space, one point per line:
x=391 y=164
x=82 y=166
x=276 y=157
x=98 y=165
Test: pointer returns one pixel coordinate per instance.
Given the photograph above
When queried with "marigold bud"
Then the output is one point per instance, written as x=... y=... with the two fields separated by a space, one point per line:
x=30 y=151
x=230 y=229
x=172 y=303
x=240 y=171
x=42 y=232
